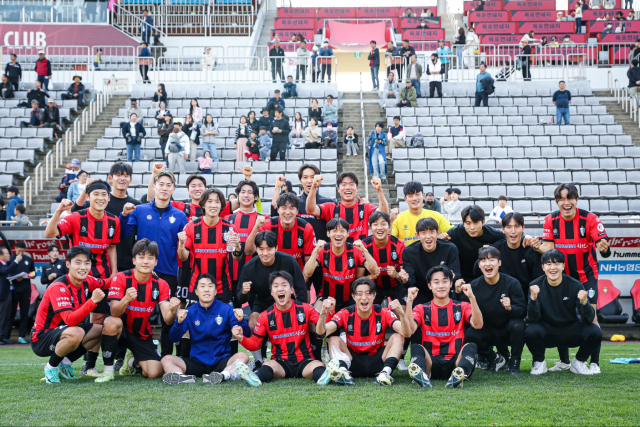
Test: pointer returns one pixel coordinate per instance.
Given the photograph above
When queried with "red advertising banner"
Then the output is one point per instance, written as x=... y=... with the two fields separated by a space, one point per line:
x=296 y=12
x=629 y=26
x=488 y=5
x=285 y=35
x=337 y=12
x=496 y=28
x=620 y=38
x=417 y=10
x=294 y=23
x=42 y=35
x=576 y=38
x=415 y=23
x=533 y=16
x=574 y=3
x=489 y=16
x=377 y=12
x=497 y=39
x=530 y=5
x=548 y=27
x=423 y=34
x=427 y=46
x=593 y=14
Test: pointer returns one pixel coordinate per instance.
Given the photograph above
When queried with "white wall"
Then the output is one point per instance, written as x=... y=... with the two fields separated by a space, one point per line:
x=180 y=41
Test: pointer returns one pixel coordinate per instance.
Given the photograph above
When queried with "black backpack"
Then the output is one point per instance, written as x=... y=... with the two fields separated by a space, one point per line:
x=417 y=140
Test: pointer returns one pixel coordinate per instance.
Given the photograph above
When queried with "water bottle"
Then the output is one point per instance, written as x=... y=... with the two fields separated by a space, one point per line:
x=324 y=355
x=230 y=246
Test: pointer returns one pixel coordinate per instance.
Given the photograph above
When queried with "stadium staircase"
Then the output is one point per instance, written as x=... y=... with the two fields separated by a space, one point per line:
x=41 y=205
x=621 y=117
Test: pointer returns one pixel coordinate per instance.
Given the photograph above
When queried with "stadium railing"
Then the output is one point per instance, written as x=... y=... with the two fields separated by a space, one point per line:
x=60 y=12
x=365 y=164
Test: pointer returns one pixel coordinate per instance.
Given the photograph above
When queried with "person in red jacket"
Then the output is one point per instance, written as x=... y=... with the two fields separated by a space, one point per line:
x=43 y=70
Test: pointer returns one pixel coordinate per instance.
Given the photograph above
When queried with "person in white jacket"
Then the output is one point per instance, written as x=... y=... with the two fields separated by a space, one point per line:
x=391 y=87
x=177 y=149
x=471 y=46
x=207 y=61
x=434 y=71
x=451 y=206
x=501 y=210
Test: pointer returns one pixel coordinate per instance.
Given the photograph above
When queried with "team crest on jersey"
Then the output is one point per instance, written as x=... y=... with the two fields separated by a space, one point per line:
x=301 y=317
x=457 y=315
x=394 y=255
x=155 y=294
x=172 y=219
x=605 y=290
x=219 y=319
x=361 y=214
x=149 y=217
x=300 y=242
x=86 y=292
x=582 y=231
x=591 y=293
x=378 y=327
x=198 y=236
x=197 y=322
x=225 y=237
x=111 y=231
x=58 y=266
x=351 y=262
x=26 y=263
x=83 y=229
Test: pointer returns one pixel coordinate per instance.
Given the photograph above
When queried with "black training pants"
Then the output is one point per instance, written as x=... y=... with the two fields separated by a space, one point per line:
x=166 y=346
x=487 y=337
x=540 y=336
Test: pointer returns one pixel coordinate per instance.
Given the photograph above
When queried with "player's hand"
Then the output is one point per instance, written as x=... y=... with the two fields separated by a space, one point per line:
x=458 y=285
x=18 y=259
x=64 y=205
x=376 y=183
x=236 y=331
x=602 y=246
x=358 y=244
x=534 y=290
x=260 y=220
x=239 y=313
x=396 y=307
x=97 y=295
x=391 y=271
x=393 y=214
x=328 y=305
x=193 y=218
x=174 y=304
x=444 y=236
x=182 y=314
x=317 y=180
x=403 y=275
x=412 y=293
x=466 y=288
x=182 y=237
x=506 y=303
x=246 y=287
x=128 y=208
x=157 y=167
x=247 y=171
x=319 y=245
x=280 y=181
x=234 y=239
x=583 y=296
x=89 y=181
x=131 y=294
x=52 y=276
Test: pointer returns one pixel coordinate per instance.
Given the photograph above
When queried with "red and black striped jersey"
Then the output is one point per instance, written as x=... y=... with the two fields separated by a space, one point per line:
x=207 y=248
x=61 y=299
x=338 y=272
x=190 y=209
x=391 y=254
x=96 y=234
x=242 y=224
x=576 y=239
x=150 y=293
x=365 y=336
x=357 y=216
x=442 y=328
x=298 y=242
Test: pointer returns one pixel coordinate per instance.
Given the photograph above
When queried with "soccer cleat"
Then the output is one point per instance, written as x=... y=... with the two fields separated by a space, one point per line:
x=332 y=367
x=594 y=368
x=51 y=375
x=342 y=376
x=106 y=377
x=539 y=368
x=580 y=368
x=66 y=371
x=127 y=366
x=245 y=373
x=93 y=372
x=560 y=366
x=418 y=376
x=481 y=363
x=514 y=366
x=177 y=378
x=22 y=340
x=402 y=365
x=383 y=379
x=456 y=378
x=118 y=365
x=83 y=370
x=213 y=378
x=252 y=366
x=500 y=362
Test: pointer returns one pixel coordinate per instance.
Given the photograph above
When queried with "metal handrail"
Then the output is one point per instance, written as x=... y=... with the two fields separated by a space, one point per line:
x=37 y=172
x=364 y=144
x=48 y=165
x=27 y=189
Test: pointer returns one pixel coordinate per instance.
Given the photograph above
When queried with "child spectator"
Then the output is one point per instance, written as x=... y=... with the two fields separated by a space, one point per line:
x=351 y=142
x=451 y=206
x=253 y=147
x=501 y=210
x=21 y=218
x=205 y=163
x=265 y=144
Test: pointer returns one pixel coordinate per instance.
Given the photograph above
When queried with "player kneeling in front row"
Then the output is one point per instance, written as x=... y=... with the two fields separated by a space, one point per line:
x=133 y=295
x=59 y=331
x=553 y=301
x=364 y=352
x=442 y=322
x=286 y=324
x=209 y=323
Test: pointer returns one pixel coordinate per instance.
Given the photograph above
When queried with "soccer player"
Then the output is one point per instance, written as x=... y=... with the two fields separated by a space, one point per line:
x=404 y=226
x=340 y=263
x=576 y=233
x=364 y=354
x=387 y=251
x=59 y=331
x=442 y=324
x=501 y=296
x=553 y=301
x=133 y=296
x=209 y=323
x=286 y=324
x=356 y=214
x=54 y=269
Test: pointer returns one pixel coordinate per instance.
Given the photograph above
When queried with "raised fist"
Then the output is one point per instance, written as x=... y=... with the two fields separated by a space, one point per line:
x=64 y=205
x=320 y=244
x=182 y=237
x=280 y=180
x=234 y=239
x=328 y=305
x=128 y=208
x=132 y=294
x=236 y=331
x=534 y=290
x=174 y=303
x=97 y=295
x=444 y=236
x=260 y=220
x=239 y=314
x=393 y=214
x=182 y=314
x=247 y=171
x=317 y=180
x=397 y=307
x=246 y=287
x=391 y=271
x=583 y=296
x=466 y=288
x=506 y=303
x=376 y=183
x=458 y=285
x=358 y=244
x=602 y=246
x=157 y=167
x=412 y=293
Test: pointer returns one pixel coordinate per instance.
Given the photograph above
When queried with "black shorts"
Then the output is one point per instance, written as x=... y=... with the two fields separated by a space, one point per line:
x=294 y=369
x=142 y=350
x=199 y=369
x=103 y=307
x=442 y=368
x=184 y=280
x=364 y=365
x=46 y=344
x=591 y=286
x=395 y=292
x=259 y=305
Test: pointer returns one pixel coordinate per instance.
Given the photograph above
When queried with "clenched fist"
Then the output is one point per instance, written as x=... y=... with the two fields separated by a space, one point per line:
x=444 y=236
x=260 y=220
x=319 y=245
x=358 y=244
x=236 y=331
x=239 y=314
x=182 y=237
x=131 y=294
x=458 y=285
x=412 y=293
x=63 y=206
x=128 y=208
x=246 y=287
x=393 y=214
x=157 y=167
x=602 y=246
x=583 y=296
x=466 y=288
x=391 y=271
x=97 y=295
x=376 y=183
x=534 y=290
x=174 y=303
x=317 y=180
x=328 y=305
x=397 y=307
x=506 y=303
x=182 y=314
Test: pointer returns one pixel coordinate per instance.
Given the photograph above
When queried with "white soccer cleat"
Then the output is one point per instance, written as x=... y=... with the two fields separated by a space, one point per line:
x=93 y=372
x=539 y=368
x=402 y=365
x=580 y=368
x=595 y=369
x=560 y=366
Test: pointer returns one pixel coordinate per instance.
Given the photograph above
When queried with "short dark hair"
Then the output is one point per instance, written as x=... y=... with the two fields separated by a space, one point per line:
x=412 y=187
x=488 y=252
x=196 y=176
x=363 y=281
x=4 y=248
x=285 y=275
x=316 y=169
x=52 y=247
x=209 y=276
x=121 y=168
x=376 y=215
x=483 y=63
x=267 y=236
x=516 y=216
x=252 y=184
x=77 y=251
x=455 y=190
x=344 y=175
x=21 y=244
x=333 y=223
x=427 y=224
x=562 y=81
x=448 y=190
x=145 y=245
x=572 y=192
x=502 y=198
x=210 y=191
x=13 y=189
x=396 y=117
x=20 y=208
x=443 y=268
x=553 y=255
x=288 y=199
x=474 y=212
x=373 y=41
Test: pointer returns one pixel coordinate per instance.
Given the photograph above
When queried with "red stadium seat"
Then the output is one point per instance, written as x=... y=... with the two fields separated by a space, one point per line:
x=609 y=308
x=635 y=295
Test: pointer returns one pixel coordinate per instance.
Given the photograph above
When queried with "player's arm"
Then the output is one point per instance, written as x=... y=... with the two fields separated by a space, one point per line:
x=183 y=252
x=119 y=305
x=404 y=326
x=383 y=206
x=299 y=282
x=533 y=307
x=234 y=239
x=324 y=328
x=250 y=244
x=73 y=318
x=476 y=314
x=52 y=227
x=128 y=222
x=239 y=320
x=179 y=327
x=369 y=263
x=169 y=310
x=151 y=192
x=280 y=181
x=412 y=293
x=517 y=302
x=312 y=263
x=113 y=260
x=312 y=206
x=253 y=342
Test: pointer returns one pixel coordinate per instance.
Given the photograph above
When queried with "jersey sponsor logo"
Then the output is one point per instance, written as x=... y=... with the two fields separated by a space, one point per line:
x=83 y=229
x=565 y=246
x=583 y=245
x=347 y=277
x=172 y=219
x=64 y=304
x=437 y=334
x=364 y=343
x=219 y=320
x=93 y=246
x=140 y=309
x=350 y=328
x=353 y=230
x=290 y=334
x=301 y=317
x=198 y=236
x=210 y=251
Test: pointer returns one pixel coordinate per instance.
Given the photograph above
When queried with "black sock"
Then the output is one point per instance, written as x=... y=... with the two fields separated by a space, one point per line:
x=317 y=373
x=405 y=346
x=234 y=347
x=265 y=373
x=55 y=360
x=121 y=352
x=91 y=358
x=109 y=345
x=343 y=364
x=468 y=359
x=77 y=353
x=185 y=347
x=316 y=344
x=263 y=350
x=417 y=356
x=391 y=362
x=563 y=352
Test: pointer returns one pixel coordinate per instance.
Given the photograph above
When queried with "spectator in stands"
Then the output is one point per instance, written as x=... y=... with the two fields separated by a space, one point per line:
x=146 y=27
x=177 y=150
x=325 y=51
x=562 y=101
x=329 y=137
x=608 y=29
x=315 y=111
x=97 y=60
x=205 y=162
x=406 y=52
x=444 y=53
x=313 y=134
x=38 y=94
x=78 y=186
x=609 y=4
x=3 y=212
x=351 y=142
x=396 y=136
x=207 y=61
x=192 y=131
x=471 y=46
x=297 y=127
x=266 y=119
x=635 y=51
x=162 y=112
x=620 y=28
x=145 y=63
x=434 y=70
x=619 y=16
x=165 y=127
x=276 y=53
x=414 y=73
x=634 y=77
x=20 y=217
x=391 y=87
x=501 y=210
x=133 y=109
x=578 y=16
x=567 y=40
x=583 y=5
x=209 y=132
x=290 y=88
x=36 y=117
x=484 y=81
x=14 y=199
x=52 y=115
x=13 y=71
x=374 y=64
x=6 y=88
x=376 y=144
x=43 y=70
x=459 y=43
x=280 y=130
x=560 y=17
x=157 y=49
x=392 y=51
x=275 y=102
x=159 y=97
x=70 y=176
x=632 y=14
x=451 y=205
x=133 y=133
x=252 y=151
x=408 y=96
x=265 y=144
x=196 y=114
x=253 y=122
x=525 y=61
x=330 y=112
x=243 y=132
x=529 y=37
x=595 y=4
x=315 y=71
x=8 y=267
x=431 y=204
x=302 y=54
x=408 y=13
x=75 y=91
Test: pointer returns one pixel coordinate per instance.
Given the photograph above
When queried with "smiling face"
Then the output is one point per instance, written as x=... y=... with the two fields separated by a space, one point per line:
x=553 y=270
x=267 y=255
x=307 y=179
x=196 y=188
x=338 y=236
x=567 y=206
x=473 y=229
x=364 y=298
x=120 y=181
x=288 y=215
x=246 y=196
x=380 y=229
x=347 y=189
x=164 y=188
x=489 y=267
x=206 y=290
x=213 y=206
x=513 y=232
x=429 y=239
x=440 y=285
x=79 y=267
x=414 y=200
x=145 y=262
x=98 y=199
x=281 y=291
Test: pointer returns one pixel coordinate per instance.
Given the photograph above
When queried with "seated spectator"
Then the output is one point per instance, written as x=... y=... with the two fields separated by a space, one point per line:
x=408 y=13
x=36 y=117
x=52 y=115
x=554 y=42
x=606 y=17
x=330 y=112
x=13 y=199
x=266 y=119
x=209 y=132
x=165 y=127
x=329 y=137
x=451 y=205
x=632 y=16
x=434 y=70
x=177 y=151
x=21 y=218
x=501 y=210
x=315 y=111
x=70 y=176
x=351 y=142
x=391 y=87
x=207 y=61
x=78 y=186
x=608 y=29
x=297 y=127
x=431 y=204
x=620 y=28
x=190 y=128
x=205 y=162
x=243 y=132
x=290 y=88
x=560 y=17
x=567 y=40
x=619 y=16
x=75 y=91
x=253 y=121
x=426 y=13
x=312 y=134
x=408 y=96
x=6 y=88
x=275 y=102
x=252 y=151
x=161 y=112
x=376 y=143
x=396 y=136
x=265 y=144
x=39 y=94
x=133 y=133
x=159 y=97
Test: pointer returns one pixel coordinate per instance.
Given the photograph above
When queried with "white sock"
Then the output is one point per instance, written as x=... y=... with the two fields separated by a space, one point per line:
x=387 y=370
x=66 y=361
x=47 y=366
x=257 y=356
x=226 y=375
x=131 y=362
x=108 y=369
x=339 y=355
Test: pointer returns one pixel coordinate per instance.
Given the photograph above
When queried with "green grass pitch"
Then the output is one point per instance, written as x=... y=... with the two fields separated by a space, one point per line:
x=487 y=399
